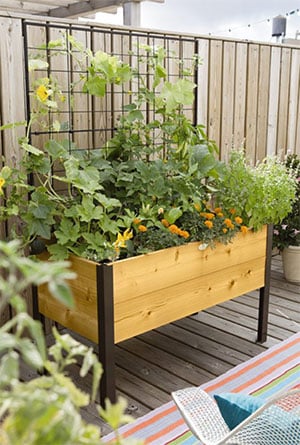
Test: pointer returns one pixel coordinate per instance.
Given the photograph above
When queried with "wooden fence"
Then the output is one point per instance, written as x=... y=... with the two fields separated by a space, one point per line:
x=248 y=93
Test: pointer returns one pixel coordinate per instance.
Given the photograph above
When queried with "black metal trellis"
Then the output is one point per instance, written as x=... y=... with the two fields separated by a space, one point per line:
x=91 y=122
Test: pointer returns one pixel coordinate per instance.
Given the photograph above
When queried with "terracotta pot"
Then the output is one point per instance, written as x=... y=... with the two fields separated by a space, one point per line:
x=291 y=263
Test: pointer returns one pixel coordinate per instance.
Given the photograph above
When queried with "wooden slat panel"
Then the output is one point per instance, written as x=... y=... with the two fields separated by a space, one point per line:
x=165 y=306
x=161 y=269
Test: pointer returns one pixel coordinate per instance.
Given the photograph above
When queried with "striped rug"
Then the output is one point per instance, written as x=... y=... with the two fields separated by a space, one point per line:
x=276 y=369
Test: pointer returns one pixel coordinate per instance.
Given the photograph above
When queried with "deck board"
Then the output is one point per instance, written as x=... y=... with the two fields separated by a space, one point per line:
x=193 y=350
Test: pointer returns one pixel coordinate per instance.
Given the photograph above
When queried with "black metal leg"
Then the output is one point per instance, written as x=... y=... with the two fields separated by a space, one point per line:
x=35 y=307
x=264 y=292
x=106 y=339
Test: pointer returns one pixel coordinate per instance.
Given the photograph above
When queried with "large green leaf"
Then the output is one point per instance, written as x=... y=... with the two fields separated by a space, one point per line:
x=96 y=86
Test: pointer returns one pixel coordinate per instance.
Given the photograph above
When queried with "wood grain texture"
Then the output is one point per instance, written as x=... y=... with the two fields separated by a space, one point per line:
x=155 y=289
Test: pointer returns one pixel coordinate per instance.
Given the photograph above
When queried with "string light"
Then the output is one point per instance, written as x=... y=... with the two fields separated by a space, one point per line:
x=292 y=12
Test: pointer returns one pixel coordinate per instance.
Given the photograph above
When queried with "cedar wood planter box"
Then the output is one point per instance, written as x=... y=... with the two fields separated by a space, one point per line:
x=119 y=300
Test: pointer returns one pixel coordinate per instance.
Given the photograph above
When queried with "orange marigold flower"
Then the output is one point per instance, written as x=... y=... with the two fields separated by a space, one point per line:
x=232 y=211
x=238 y=220
x=42 y=93
x=208 y=224
x=220 y=214
x=165 y=222
x=244 y=229
x=218 y=210
x=207 y=215
x=184 y=233
x=173 y=228
x=228 y=223
x=225 y=230
x=142 y=228
x=136 y=221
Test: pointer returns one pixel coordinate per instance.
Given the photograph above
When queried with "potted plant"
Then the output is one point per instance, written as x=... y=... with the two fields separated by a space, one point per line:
x=286 y=235
x=155 y=225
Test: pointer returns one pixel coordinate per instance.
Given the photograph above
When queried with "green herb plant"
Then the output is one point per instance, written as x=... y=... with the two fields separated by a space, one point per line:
x=45 y=410
x=287 y=231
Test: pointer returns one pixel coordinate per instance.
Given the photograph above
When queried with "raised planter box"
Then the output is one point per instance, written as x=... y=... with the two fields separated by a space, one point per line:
x=117 y=301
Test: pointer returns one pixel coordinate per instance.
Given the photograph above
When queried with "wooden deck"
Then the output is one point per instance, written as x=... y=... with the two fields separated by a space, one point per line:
x=196 y=349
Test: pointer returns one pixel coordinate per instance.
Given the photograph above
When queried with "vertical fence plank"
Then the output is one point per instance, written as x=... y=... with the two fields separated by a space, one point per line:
x=12 y=104
x=227 y=111
x=262 y=106
x=215 y=89
x=252 y=101
x=273 y=100
x=294 y=103
x=202 y=82
x=284 y=90
x=240 y=95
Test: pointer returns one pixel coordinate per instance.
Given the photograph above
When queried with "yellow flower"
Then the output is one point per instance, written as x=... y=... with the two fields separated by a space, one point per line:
x=42 y=93
x=238 y=220
x=208 y=224
x=2 y=182
x=197 y=206
x=165 y=222
x=220 y=214
x=225 y=230
x=121 y=239
x=142 y=228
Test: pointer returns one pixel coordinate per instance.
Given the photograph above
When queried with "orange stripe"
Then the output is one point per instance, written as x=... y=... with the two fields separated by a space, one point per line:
x=267 y=372
x=252 y=365
x=165 y=430
x=150 y=421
